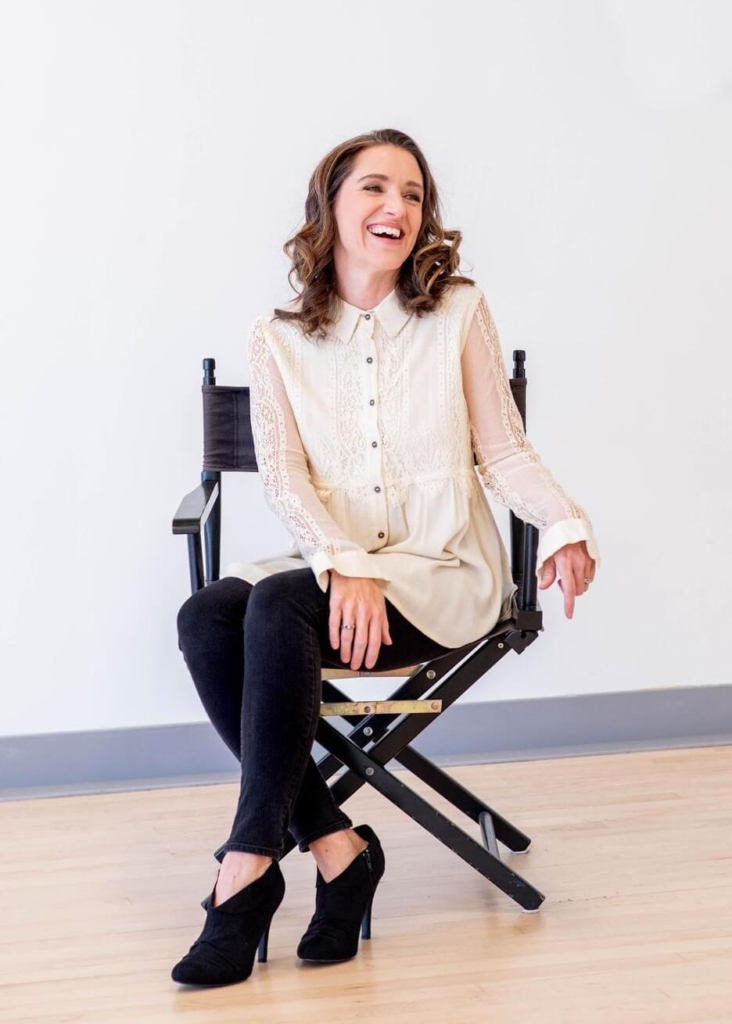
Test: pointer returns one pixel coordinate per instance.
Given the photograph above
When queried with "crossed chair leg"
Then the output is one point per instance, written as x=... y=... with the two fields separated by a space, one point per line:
x=445 y=686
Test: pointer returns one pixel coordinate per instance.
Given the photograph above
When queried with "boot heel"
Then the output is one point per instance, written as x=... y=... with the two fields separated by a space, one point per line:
x=333 y=933
x=366 y=923
x=263 y=943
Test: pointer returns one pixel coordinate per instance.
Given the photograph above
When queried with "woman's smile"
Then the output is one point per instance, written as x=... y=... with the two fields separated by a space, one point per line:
x=383 y=236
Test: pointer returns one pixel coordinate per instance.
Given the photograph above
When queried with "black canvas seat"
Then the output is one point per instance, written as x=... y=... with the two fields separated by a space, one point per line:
x=383 y=729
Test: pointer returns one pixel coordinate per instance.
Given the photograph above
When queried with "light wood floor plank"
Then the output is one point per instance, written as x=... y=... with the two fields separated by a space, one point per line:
x=101 y=896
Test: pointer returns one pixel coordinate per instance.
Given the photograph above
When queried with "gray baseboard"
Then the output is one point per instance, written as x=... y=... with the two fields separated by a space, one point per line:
x=58 y=764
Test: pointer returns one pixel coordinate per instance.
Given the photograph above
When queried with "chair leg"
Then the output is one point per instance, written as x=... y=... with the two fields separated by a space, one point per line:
x=493 y=825
x=483 y=860
x=487 y=830
x=212 y=533
x=491 y=822
x=391 y=741
x=372 y=728
x=195 y=561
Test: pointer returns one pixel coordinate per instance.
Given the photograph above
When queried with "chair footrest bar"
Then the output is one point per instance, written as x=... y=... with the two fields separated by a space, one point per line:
x=381 y=707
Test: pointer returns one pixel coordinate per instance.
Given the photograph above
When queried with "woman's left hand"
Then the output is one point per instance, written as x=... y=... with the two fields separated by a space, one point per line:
x=574 y=564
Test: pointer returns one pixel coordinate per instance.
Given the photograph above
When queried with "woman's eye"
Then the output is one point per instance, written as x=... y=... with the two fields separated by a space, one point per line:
x=412 y=194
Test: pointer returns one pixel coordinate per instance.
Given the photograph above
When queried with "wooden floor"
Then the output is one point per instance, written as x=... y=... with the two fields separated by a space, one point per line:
x=101 y=895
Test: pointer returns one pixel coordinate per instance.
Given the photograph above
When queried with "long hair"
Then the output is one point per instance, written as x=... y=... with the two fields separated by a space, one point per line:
x=429 y=269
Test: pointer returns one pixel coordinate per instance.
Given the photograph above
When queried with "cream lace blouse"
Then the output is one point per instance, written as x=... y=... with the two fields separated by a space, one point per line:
x=365 y=442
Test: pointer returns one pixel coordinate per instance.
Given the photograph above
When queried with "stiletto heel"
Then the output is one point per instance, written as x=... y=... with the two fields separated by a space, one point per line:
x=234 y=930
x=343 y=906
x=366 y=923
x=263 y=943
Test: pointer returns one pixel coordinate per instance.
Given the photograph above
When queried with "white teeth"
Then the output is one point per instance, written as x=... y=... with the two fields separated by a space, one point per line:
x=380 y=229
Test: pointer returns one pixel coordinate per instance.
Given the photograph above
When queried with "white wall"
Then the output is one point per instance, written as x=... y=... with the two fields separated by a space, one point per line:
x=156 y=158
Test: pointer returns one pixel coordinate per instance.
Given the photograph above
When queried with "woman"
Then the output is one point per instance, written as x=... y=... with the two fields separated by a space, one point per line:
x=369 y=398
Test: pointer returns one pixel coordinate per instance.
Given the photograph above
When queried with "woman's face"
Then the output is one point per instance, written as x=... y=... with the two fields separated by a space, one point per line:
x=384 y=187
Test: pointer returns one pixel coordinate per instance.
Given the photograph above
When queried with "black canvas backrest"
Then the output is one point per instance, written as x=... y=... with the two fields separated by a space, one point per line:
x=227 y=429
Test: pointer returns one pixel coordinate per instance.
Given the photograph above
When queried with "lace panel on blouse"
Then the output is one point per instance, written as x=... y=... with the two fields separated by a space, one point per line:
x=508 y=464
x=281 y=459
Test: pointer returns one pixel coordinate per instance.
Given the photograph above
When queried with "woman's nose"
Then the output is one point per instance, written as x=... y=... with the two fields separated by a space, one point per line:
x=394 y=204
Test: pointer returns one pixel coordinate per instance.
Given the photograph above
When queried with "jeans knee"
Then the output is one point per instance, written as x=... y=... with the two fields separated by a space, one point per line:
x=277 y=596
x=197 y=612
x=190 y=615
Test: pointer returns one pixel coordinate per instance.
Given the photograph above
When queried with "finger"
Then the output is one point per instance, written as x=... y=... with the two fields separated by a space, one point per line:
x=334 y=625
x=372 y=652
x=547 y=575
x=590 y=564
x=569 y=590
x=385 y=632
x=361 y=639
x=578 y=573
x=346 y=641
x=578 y=569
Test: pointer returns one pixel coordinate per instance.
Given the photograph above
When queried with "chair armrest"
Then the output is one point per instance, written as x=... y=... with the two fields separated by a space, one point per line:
x=195 y=508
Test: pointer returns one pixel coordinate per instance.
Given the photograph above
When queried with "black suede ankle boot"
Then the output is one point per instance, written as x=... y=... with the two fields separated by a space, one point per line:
x=224 y=951
x=343 y=905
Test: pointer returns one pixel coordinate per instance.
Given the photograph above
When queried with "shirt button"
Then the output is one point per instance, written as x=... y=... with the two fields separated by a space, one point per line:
x=377 y=489
x=371 y=402
x=369 y=359
x=381 y=534
x=373 y=444
x=368 y=316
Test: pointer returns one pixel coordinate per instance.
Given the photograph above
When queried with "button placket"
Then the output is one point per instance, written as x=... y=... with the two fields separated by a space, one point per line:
x=380 y=514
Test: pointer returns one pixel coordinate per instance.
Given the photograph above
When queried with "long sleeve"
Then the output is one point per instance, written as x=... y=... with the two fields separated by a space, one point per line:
x=286 y=479
x=509 y=466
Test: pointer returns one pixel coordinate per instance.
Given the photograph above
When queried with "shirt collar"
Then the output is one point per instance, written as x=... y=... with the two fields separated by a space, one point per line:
x=388 y=312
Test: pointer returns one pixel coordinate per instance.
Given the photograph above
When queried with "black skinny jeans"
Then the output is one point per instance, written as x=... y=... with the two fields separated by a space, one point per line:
x=255 y=654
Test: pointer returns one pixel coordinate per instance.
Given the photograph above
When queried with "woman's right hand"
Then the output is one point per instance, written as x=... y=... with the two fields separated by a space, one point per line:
x=357 y=600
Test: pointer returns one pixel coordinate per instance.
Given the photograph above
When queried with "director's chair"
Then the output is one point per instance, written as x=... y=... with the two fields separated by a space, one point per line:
x=385 y=727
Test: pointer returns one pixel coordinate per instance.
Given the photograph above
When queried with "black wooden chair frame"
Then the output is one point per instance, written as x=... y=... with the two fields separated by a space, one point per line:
x=432 y=686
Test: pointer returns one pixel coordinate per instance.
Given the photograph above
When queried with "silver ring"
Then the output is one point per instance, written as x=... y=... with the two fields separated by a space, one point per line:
x=587 y=581
x=349 y=627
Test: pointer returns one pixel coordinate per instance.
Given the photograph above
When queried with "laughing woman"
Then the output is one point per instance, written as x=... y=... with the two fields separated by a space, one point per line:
x=371 y=393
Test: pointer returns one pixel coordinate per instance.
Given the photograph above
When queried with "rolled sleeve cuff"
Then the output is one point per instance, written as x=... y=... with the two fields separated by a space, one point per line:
x=566 y=531
x=347 y=563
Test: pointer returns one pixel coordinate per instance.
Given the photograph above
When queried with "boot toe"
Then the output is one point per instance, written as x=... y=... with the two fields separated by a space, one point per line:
x=327 y=943
x=318 y=951
x=194 y=970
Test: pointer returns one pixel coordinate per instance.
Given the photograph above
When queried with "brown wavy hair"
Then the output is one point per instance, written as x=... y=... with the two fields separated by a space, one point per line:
x=424 y=276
